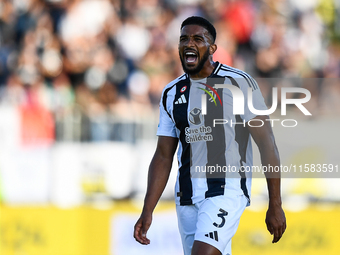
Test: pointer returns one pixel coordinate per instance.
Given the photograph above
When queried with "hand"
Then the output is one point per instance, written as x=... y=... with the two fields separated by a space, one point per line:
x=141 y=228
x=276 y=222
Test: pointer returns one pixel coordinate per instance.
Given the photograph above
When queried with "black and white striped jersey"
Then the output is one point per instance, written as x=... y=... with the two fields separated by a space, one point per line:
x=214 y=143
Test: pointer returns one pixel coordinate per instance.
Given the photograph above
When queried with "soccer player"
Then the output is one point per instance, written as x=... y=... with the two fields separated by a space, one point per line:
x=212 y=142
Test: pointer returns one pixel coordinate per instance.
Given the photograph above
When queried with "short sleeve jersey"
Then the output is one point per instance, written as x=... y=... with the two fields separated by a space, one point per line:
x=214 y=143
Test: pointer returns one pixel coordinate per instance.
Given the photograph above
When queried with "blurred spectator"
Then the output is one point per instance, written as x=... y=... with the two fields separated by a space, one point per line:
x=92 y=70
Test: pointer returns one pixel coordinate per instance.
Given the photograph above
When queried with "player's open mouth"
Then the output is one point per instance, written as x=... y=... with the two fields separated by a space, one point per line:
x=190 y=57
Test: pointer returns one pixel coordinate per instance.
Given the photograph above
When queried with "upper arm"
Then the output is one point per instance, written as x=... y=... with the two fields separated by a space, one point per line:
x=167 y=131
x=166 y=147
x=263 y=135
x=264 y=138
x=166 y=126
x=257 y=101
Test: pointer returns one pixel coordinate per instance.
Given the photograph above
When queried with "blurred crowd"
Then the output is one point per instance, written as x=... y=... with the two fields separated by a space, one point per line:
x=93 y=70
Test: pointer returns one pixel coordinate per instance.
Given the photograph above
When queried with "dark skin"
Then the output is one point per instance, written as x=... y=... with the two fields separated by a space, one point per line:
x=159 y=172
x=197 y=39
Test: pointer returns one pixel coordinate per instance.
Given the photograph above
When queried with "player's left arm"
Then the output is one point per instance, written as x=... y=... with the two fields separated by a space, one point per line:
x=264 y=138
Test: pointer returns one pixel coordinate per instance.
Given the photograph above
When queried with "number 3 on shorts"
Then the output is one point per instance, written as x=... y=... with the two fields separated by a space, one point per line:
x=221 y=215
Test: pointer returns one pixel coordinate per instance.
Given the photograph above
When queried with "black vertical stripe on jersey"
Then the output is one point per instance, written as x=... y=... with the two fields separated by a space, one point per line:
x=180 y=113
x=165 y=97
x=242 y=137
x=233 y=81
x=215 y=148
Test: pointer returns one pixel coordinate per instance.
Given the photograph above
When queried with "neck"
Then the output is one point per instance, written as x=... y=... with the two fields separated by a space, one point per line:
x=207 y=69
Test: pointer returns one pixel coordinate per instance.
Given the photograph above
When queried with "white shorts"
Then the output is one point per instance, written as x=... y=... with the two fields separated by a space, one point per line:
x=213 y=220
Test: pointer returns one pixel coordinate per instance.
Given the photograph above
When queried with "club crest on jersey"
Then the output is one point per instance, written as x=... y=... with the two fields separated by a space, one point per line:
x=212 y=93
x=183 y=89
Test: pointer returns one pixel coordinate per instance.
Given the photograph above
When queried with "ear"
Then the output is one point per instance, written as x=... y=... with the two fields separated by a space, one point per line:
x=212 y=49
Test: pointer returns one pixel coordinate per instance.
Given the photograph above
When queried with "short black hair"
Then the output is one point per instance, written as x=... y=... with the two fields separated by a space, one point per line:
x=196 y=20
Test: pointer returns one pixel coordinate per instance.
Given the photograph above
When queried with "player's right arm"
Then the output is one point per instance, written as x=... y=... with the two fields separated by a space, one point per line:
x=158 y=176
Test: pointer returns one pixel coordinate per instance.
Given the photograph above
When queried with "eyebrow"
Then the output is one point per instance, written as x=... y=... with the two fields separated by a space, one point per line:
x=199 y=36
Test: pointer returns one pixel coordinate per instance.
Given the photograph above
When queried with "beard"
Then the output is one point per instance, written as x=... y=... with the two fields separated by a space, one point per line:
x=199 y=66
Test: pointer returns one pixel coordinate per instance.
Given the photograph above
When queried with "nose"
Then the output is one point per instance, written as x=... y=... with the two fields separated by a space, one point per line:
x=189 y=42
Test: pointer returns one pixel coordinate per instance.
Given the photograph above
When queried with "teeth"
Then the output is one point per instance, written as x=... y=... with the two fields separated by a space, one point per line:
x=190 y=53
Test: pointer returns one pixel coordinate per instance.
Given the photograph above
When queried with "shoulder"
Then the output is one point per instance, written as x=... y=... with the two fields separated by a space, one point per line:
x=231 y=71
x=238 y=75
x=174 y=82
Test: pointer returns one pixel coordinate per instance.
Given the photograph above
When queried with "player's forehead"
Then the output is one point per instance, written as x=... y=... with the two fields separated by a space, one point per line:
x=191 y=30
